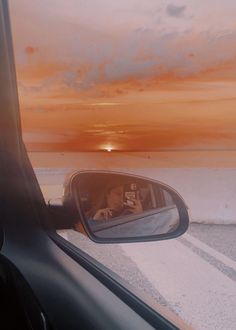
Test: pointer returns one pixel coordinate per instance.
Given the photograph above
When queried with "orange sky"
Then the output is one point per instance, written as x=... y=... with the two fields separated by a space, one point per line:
x=130 y=76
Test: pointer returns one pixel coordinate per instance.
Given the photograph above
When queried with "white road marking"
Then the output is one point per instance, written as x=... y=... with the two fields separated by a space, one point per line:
x=221 y=257
x=202 y=295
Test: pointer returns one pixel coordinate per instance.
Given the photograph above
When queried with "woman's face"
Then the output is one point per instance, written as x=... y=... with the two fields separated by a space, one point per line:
x=115 y=198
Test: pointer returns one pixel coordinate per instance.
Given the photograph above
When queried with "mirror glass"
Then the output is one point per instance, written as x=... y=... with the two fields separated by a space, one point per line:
x=118 y=206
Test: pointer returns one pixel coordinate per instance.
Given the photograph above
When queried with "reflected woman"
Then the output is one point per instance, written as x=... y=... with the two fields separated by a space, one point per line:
x=111 y=204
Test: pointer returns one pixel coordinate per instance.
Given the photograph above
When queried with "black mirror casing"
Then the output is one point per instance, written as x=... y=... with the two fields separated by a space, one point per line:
x=73 y=204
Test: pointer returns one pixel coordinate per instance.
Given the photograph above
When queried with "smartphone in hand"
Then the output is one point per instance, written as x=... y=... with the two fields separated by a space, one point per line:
x=130 y=194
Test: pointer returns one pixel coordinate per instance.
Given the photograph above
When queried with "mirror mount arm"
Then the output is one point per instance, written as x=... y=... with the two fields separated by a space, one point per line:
x=61 y=217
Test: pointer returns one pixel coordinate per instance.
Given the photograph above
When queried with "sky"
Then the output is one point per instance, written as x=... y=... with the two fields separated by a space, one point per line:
x=127 y=75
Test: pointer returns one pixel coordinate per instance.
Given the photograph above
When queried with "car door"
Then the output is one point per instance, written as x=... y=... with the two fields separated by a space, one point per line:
x=47 y=283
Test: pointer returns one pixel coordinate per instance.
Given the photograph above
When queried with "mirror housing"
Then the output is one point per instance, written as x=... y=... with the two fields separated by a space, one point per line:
x=115 y=207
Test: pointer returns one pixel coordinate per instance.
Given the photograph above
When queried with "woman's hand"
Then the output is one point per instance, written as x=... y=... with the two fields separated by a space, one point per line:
x=136 y=207
x=103 y=214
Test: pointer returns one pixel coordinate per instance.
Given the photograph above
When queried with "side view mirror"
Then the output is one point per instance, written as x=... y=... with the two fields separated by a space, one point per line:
x=115 y=207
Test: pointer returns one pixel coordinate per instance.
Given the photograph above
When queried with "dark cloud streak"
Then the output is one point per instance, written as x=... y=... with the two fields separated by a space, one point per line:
x=175 y=11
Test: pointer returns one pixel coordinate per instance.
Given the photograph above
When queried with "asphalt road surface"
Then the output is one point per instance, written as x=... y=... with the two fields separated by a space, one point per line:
x=194 y=275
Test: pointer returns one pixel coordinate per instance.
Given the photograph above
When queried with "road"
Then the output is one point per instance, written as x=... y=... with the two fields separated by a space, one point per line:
x=194 y=275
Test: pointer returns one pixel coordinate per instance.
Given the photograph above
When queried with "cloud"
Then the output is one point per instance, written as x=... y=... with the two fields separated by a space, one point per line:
x=175 y=11
x=43 y=137
x=30 y=50
x=142 y=29
x=68 y=54
x=125 y=68
x=134 y=64
x=137 y=138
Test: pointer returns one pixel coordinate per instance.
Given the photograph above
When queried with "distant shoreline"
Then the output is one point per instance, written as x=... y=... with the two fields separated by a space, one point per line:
x=160 y=159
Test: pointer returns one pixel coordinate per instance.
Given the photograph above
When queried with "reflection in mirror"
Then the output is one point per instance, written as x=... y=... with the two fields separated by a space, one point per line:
x=118 y=206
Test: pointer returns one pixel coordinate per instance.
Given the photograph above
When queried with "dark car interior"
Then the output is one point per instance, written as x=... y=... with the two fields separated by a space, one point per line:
x=20 y=309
